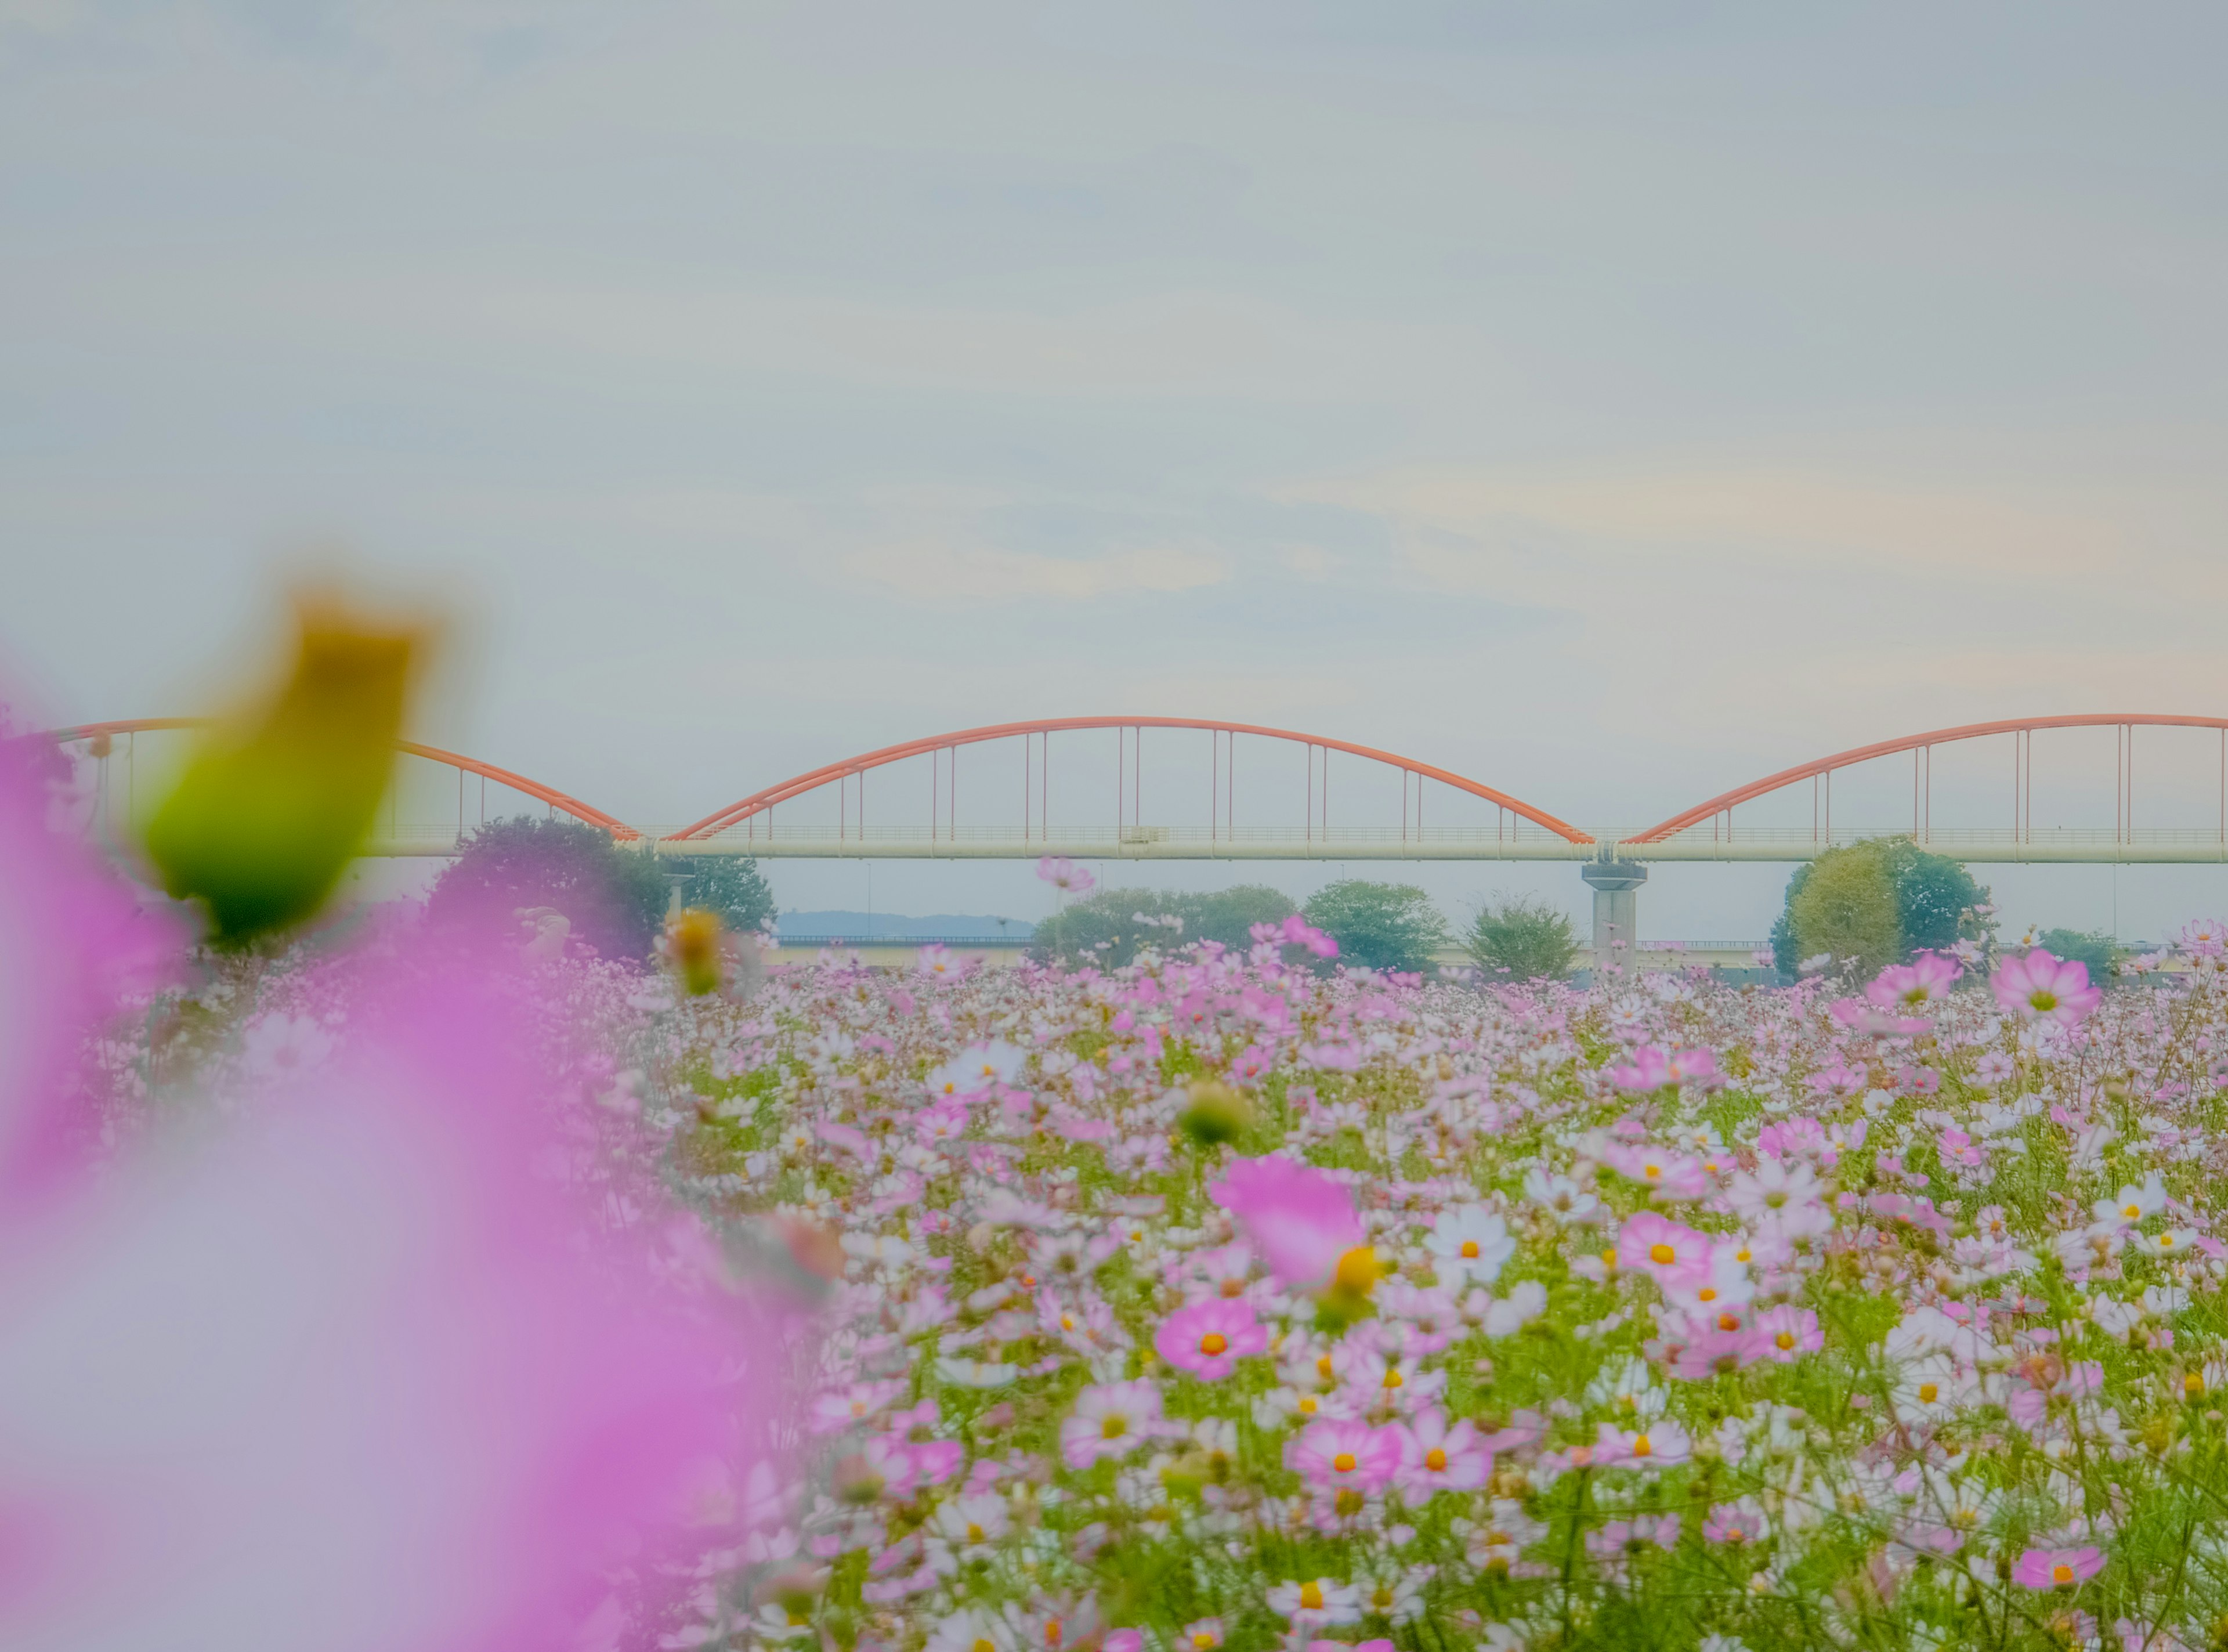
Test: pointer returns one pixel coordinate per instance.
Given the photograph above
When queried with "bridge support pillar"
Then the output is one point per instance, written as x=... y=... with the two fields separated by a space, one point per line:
x=1615 y=884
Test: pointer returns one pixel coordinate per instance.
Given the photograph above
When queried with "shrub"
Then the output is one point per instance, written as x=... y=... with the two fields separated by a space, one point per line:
x=1523 y=939
x=1104 y=927
x=616 y=897
x=2091 y=946
x=1379 y=926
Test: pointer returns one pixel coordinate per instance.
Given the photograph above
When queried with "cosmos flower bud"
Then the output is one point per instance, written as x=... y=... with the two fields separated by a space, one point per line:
x=692 y=941
x=277 y=802
x=1217 y=1113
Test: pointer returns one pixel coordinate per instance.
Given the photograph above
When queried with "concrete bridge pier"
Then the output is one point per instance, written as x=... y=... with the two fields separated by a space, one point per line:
x=1615 y=884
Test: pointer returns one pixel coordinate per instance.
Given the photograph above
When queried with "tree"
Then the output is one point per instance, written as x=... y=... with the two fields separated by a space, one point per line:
x=729 y=885
x=1932 y=898
x=1847 y=907
x=1522 y=939
x=2091 y=946
x=614 y=898
x=1379 y=926
x=1105 y=928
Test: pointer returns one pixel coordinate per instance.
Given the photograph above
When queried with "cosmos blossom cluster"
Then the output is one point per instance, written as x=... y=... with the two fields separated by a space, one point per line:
x=1247 y=1299
x=1244 y=1300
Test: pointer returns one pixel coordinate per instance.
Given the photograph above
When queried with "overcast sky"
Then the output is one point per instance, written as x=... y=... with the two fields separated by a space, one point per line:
x=1609 y=401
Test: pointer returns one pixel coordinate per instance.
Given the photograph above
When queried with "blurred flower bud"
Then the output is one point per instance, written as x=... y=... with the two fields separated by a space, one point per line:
x=692 y=941
x=276 y=802
x=1217 y=1113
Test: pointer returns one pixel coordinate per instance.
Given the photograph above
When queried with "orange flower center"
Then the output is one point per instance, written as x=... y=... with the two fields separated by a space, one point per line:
x=1344 y=1463
x=1662 y=1255
x=1643 y=1446
x=1214 y=1342
x=2061 y=1574
x=1469 y=1248
x=1436 y=1460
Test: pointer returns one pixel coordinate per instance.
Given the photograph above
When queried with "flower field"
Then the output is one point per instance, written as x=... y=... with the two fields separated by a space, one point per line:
x=1214 y=1300
x=1218 y=1301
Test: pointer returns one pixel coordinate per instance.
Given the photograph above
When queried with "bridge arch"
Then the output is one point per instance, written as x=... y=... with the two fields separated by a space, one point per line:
x=2023 y=727
x=759 y=802
x=555 y=799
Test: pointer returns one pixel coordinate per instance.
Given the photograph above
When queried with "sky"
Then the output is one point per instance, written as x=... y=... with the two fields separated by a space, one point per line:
x=1609 y=401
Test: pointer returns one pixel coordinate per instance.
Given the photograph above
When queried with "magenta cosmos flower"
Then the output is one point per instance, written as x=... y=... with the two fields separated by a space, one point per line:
x=2042 y=985
x=2057 y=1568
x=1341 y=1454
x=1209 y=1338
x=1301 y=1221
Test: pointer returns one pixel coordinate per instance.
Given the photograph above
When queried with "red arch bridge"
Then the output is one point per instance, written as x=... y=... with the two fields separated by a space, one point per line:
x=1192 y=789
x=1084 y=787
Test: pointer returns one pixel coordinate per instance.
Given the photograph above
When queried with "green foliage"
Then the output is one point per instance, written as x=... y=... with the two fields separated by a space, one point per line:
x=1927 y=896
x=1379 y=926
x=2091 y=946
x=1104 y=927
x=729 y=885
x=1526 y=938
x=1847 y=906
x=616 y=897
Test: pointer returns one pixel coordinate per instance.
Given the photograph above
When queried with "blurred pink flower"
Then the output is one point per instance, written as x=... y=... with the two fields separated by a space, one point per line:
x=1651 y=1068
x=1111 y=1420
x=2057 y=1568
x=1301 y=1223
x=1208 y=1338
x=1065 y=876
x=350 y=1376
x=2041 y=985
x=1666 y=1175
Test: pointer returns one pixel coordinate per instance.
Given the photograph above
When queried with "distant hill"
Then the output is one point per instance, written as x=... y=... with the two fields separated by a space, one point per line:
x=890 y=926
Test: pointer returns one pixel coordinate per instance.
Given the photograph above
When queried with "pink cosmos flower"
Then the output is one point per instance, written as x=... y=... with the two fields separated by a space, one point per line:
x=1111 y=1420
x=2041 y=985
x=1301 y=1222
x=1065 y=876
x=1339 y=1454
x=1665 y=1175
x=1295 y=931
x=2057 y=1568
x=1924 y=981
x=1674 y=1254
x=1788 y=1332
x=351 y=1340
x=1651 y=1068
x=1208 y=1338
x=1437 y=1456
x=1661 y=1444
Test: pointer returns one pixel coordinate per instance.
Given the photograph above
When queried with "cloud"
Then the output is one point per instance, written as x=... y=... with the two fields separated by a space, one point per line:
x=940 y=574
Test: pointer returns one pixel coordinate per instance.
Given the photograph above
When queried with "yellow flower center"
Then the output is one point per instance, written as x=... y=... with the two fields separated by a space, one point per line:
x=1609 y=1258
x=1928 y=1393
x=1203 y=1640
x=1357 y=1272
x=1214 y=1342
x=1469 y=1250
x=1322 y=1367
x=1436 y=1460
x=2193 y=1384
x=1307 y=1405
x=2061 y=1574
x=1311 y=1595
x=1392 y=1378
x=1708 y=1293
x=1113 y=1428
x=1343 y=1462
x=1785 y=1340
x=1651 y=1171
x=1643 y=1446
x=975 y=1532
x=2166 y=1241
x=983 y=1646
x=2131 y=1211
x=1661 y=1255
